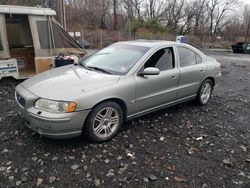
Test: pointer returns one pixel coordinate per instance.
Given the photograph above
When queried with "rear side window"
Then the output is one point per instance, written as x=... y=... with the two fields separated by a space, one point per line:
x=187 y=57
x=198 y=59
x=163 y=59
x=1 y=43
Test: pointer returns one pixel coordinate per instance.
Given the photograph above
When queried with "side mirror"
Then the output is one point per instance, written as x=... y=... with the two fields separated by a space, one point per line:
x=150 y=71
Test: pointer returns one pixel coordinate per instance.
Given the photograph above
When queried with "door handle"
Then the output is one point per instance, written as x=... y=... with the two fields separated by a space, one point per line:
x=202 y=70
x=173 y=77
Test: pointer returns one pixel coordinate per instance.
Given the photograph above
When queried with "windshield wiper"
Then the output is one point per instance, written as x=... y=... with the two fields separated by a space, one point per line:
x=85 y=66
x=98 y=69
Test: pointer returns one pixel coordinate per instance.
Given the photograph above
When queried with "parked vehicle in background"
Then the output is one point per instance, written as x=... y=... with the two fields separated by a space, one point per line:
x=120 y=82
x=241 y=47
x=30 y=38
x=182 y=39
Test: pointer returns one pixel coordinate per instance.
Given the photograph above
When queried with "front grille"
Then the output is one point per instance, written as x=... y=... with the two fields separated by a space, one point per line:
x=20 y=100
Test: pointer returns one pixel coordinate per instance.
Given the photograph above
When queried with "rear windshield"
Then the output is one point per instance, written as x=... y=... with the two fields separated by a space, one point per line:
x=117 y=58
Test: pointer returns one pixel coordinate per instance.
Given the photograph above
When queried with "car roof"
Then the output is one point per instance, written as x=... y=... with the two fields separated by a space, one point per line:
x=10 y=9
x=148 y=43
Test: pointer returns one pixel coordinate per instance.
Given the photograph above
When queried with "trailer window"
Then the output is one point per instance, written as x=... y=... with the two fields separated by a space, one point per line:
x=43 y=33
x=1 y=44
x=62 y=38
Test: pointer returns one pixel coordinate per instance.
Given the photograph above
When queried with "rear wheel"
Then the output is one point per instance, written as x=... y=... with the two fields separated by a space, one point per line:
x=103 y=122
x=205 y=92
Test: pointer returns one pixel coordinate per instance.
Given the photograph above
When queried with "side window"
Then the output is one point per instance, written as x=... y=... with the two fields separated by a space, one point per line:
x=198 y=59
x=187 y=57
x=1 y=44
x=162 y=59
x=43 y=33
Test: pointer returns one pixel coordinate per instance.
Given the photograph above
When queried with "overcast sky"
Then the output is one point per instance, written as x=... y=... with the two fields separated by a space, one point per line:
x=246 y=1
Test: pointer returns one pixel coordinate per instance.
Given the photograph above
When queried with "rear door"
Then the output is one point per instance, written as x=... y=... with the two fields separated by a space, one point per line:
x=157 y=90
x=192 y=72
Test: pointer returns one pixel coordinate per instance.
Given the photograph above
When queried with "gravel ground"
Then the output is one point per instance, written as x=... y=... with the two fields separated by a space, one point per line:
x=183 y=146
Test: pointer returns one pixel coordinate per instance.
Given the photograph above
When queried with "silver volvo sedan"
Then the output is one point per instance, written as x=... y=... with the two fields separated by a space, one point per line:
x=118 y=83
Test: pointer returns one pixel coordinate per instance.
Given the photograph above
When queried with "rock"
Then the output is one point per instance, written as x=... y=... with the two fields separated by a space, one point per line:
x=179 y=179
x=123 y=180
x=247 y=160
x=74 y=167
x=11 y=178
x=242 y=174
x=71 y=157
x=2 y=168
x=1 y=119
x=204 y=185
x=5 y=150
x=88 y=175
x=243 y=148
x=23 y=179
x=152 y=177
x=24 y=169
x=46 y=154
x=145 y=179
x=54 y=158
x=20 y=144
x=106 y=161
x=18 y=183
x=162 y=138
x=34 y=158
x=39 y=182
x=119 y=158
x=97 y=182
x=83 y=156
x=52 y=179
x=227 y=163
x=110 y=174
x=131 y=146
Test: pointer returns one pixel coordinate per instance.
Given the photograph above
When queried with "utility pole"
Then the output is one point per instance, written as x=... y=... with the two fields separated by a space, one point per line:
x=63 y=15
x=248 y=25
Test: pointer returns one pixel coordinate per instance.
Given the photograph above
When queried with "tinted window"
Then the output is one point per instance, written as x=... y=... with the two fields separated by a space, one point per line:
x=186 y=56
x=117 y=58
x=43 y=33
x=162 y=59
x=1 y=44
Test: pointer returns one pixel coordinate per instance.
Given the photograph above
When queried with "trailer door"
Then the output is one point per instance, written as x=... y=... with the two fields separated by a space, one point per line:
x=4 y=47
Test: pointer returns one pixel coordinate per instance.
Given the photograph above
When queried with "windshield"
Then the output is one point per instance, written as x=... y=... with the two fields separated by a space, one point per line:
x=115 y=59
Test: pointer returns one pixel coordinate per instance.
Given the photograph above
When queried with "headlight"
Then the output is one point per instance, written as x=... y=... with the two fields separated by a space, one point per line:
x=55 y=106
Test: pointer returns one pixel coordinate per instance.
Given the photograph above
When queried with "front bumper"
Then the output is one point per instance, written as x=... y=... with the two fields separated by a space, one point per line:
x=52 y=125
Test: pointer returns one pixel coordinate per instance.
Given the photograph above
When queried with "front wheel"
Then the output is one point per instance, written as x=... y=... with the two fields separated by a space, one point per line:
x=103 y=122
x=205 y=92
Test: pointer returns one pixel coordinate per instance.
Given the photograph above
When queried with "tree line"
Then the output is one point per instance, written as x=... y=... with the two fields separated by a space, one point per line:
x=212 y=18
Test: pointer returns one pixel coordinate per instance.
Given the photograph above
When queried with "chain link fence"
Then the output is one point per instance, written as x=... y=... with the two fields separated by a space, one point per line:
x=97 y=39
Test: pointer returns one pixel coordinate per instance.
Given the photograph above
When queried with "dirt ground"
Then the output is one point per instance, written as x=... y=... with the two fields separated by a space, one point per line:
x=183 y=146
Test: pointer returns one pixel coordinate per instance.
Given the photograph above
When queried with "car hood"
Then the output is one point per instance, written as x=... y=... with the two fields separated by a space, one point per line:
x=66 y=82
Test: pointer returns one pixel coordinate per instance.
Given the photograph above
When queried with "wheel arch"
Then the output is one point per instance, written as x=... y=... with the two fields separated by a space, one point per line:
x=211 y=79
x=119 y=101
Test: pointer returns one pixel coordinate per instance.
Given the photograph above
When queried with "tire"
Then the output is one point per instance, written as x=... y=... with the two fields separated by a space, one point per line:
x=205 y=92
x=103 y=122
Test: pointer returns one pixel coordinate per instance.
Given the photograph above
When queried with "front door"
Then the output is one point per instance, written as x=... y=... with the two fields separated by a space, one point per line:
x=157 y=90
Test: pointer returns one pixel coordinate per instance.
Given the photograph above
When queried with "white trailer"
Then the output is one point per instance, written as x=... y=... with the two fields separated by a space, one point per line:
x=30 y=38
